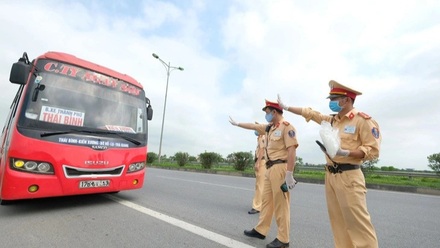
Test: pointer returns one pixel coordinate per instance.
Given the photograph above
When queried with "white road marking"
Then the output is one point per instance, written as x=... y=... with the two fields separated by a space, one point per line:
x=218 y=238
x=200 y=182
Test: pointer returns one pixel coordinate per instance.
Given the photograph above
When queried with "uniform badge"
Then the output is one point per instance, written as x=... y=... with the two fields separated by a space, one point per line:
x=375 y=132
x=291 y=133
x=350 y=129
x=277 y=133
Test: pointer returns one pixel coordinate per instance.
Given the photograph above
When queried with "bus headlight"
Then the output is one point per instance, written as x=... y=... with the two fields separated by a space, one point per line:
x=136 y=167
x=32 y=166
x=43 y=167
x=18 y=164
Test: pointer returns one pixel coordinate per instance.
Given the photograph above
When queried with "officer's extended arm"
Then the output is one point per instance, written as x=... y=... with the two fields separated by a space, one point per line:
x=340 y=152
x=295 y=110
x=243 y=125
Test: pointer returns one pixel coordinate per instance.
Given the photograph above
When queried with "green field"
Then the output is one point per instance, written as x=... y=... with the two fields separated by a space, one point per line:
x=370 y=177
x=373 y=178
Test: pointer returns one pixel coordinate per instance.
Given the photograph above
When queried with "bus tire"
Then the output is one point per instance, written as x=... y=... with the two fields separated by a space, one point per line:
x=4 y=202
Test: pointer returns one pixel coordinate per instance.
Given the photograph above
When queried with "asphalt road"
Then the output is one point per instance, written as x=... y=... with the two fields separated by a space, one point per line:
x=186 y=209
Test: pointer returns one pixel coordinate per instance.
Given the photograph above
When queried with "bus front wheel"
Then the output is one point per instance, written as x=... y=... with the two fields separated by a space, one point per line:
x=4 y=202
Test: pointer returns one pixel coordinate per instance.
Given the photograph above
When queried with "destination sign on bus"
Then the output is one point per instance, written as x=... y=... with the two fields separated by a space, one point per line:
x=62 y=116
x=91 y=77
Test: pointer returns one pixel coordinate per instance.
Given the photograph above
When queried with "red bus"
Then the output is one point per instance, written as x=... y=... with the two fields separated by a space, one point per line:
x=74 y=127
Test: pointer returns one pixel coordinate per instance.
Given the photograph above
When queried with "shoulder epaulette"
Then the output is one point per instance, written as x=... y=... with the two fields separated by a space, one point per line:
x=286 y=123
x=363 y=115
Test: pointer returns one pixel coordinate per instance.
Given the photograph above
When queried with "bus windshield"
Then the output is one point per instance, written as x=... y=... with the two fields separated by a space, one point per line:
x=64 y=97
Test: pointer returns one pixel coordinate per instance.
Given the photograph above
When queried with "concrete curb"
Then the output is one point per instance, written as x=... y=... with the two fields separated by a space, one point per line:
x=408 y=189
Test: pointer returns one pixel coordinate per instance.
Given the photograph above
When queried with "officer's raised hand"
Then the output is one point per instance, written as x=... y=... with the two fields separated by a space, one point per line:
x=284 y=106
x=290 y=181
x=233 y=122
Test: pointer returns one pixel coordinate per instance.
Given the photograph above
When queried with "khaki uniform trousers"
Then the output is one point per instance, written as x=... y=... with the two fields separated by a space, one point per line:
x=259 y=184
x=347 y=209
x=275 y=201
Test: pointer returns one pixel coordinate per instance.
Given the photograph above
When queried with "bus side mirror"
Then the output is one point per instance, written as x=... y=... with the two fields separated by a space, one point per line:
x=149 y=109
x=149 y=113
x=19 y=72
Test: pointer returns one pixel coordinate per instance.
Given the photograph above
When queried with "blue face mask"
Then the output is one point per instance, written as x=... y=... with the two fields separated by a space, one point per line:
x=269 y=117
x=256 y=133
x=334 y=106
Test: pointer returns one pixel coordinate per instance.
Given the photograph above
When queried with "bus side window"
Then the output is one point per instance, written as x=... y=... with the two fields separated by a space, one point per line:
x=9 y=118
x=139 y=121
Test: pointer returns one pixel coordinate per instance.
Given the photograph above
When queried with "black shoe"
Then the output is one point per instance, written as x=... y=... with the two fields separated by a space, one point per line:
x=277 y=244
x=253 y=211
x=254 y=234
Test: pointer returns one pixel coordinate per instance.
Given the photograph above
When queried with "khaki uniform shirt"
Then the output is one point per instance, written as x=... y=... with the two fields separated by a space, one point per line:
x=280 y=137
x=357 y=130
x=259 y=152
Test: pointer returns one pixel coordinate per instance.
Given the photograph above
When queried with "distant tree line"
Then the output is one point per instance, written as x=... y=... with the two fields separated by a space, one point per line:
x=240 y=160
x=434 y=162
x=244 y=160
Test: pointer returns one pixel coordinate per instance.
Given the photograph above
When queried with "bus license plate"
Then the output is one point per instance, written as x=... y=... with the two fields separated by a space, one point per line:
x=94 y=184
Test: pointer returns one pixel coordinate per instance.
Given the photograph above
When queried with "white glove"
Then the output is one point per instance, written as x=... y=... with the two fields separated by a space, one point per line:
x=233 y=122
x=342 y=152
x=284 y=106
x=290 y=181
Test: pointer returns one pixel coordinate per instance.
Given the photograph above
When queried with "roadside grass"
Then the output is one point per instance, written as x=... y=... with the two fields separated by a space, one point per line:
x=423 y=182
x=370 y=177
x=197 y=166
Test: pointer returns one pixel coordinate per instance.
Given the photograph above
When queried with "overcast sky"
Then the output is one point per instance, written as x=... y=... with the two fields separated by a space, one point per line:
x=236 y=53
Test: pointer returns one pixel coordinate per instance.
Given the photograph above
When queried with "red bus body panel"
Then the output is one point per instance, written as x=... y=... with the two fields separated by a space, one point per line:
x=15 y=184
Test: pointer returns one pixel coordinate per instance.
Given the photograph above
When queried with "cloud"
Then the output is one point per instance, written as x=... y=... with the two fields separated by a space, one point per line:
x=235 y=54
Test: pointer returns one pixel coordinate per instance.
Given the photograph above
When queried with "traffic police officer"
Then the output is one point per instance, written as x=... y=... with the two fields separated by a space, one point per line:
x=280 y=155
x=344 y=181
x=260 y=171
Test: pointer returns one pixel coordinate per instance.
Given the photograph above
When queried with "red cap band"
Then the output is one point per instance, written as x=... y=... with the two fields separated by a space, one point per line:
x=344 y=92
x=272 y=105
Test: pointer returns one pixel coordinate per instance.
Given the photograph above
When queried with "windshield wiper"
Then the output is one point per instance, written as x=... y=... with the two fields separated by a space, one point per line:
x=58 y=133
x=91 y=132
x=117 y=134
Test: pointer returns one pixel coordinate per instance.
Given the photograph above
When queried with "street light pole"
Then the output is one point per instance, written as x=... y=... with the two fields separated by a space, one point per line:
x=168 y=68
